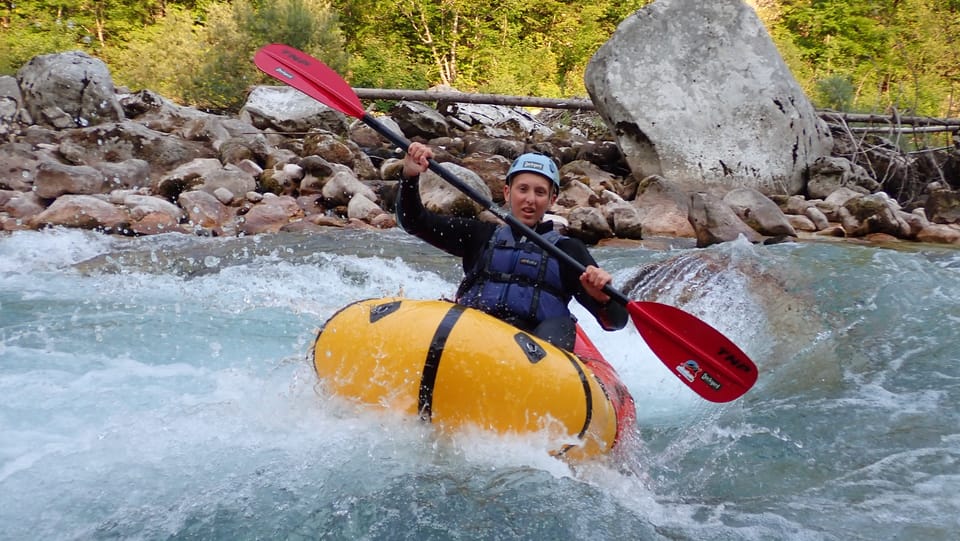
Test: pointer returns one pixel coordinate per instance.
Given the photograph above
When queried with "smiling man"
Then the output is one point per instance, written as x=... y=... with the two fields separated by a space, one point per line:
x=506 y=274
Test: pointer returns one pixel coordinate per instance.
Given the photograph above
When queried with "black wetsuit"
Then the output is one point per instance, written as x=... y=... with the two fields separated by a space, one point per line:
x=468 y=237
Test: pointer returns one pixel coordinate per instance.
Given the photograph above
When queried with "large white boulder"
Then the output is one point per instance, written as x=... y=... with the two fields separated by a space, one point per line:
x=696 y=92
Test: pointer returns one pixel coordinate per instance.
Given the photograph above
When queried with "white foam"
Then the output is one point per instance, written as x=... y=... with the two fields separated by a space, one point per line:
x=25 y=252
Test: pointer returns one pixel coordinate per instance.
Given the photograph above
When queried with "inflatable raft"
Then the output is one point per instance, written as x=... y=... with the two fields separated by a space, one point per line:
x=456 y=367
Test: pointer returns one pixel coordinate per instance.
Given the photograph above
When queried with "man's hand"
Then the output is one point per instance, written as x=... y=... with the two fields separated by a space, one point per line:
x=417 y=159
x=593 y=281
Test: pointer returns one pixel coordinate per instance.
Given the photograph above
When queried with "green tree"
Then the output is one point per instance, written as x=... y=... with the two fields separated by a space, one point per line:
x=896 y=53
x=35 y=28
x=513 y=46
x=162 y=57
x=234 y=31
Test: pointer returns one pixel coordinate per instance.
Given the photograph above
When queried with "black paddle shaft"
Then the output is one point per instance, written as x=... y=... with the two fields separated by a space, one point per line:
x=510 y=219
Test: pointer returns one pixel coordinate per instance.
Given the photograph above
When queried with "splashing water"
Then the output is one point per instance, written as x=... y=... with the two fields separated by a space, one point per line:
x=159 y=388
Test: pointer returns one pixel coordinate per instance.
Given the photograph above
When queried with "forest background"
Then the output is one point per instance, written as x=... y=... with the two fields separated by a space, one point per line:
x=849 y=55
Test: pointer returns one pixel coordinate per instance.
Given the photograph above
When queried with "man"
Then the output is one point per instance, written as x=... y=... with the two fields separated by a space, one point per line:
x=507 y=275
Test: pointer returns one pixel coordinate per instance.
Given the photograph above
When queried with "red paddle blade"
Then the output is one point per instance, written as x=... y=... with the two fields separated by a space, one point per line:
x=310 y=76
x=702 y=358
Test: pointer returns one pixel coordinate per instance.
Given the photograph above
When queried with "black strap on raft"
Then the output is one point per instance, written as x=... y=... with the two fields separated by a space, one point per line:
x=587 y=394
x=432 y=363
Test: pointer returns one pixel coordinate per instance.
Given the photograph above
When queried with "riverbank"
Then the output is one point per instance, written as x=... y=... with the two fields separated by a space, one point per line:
x=134 y=163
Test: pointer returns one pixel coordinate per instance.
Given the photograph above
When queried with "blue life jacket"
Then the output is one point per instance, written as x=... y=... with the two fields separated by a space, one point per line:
x=516 y=281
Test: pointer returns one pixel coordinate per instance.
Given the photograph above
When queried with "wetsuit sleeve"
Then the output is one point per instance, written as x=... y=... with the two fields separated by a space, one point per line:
x=612 y=315
x=462 y=237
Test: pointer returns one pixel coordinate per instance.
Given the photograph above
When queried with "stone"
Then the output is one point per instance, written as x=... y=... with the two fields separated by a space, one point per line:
x=286 y=109
x=830 y=173
x=440 y=196
x=418 y=120
x=56 y=179
x=69 y=90
x=943 y=206
x=362 y=208
x=82 y=211
x=715 y=222
x=203 y=210
x=759 y=212
x=697 y=92
x=664 y=209
x=342 y=186
x=589 y=225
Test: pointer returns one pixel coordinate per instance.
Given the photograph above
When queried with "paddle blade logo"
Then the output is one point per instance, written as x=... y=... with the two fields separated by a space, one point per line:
x=689 y=370
x=284 y=72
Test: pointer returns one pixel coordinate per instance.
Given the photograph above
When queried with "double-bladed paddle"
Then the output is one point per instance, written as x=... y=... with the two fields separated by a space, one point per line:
x=699 y=355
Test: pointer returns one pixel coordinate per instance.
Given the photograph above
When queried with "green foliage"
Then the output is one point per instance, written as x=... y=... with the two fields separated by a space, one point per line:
x=510 y=46
x=145 y=60
x=895 y=53
x=835 y=92
x=32 y=29
x=235 y=31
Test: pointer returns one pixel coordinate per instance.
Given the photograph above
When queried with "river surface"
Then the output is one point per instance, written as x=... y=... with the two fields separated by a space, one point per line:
x=160 y=388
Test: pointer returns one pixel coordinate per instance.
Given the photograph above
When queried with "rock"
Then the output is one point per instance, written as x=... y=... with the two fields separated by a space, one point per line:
x=715 y=222
x=492 y=169
x=591 y=175
x=837 y=199
x=384 y=220
x=817 y=217
x=514 y=120
x=224 y=195
x=577 y=194
x=625 y=220
x=12 y=112
x=362 y=208
x=868 y=214
x=943 y=206
x=203 y=210
x=342 y=187
x=507 y=148
x=439 y=196
x=286 y=109
x=940 y=233
x=283 y=181
x=334 y=150
x=664 y=209
x=801 y=223
x=56 y=179
x=161 y=114
x=588 y=224
x=830 y=173
x=185 y=177
x=127 y=140
x=18 y=166
x=20 y=204
x=417 y=120
x=230 y=178
x=68 y=90
x=697 y=92
x=133 y=173
x=82 y=211
x=270 y=215
x=140 y=206
x=759 y=212
x=917 y=222
x=796 y=204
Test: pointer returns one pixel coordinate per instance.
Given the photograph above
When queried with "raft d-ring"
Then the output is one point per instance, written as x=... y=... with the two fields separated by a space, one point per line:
x=382 y=310
x=531 y=349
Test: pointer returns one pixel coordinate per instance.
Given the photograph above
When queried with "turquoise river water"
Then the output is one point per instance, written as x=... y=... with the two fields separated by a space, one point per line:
x=160 y=388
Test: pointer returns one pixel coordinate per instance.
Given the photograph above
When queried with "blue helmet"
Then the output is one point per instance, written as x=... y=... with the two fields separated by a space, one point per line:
x=535 y=163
